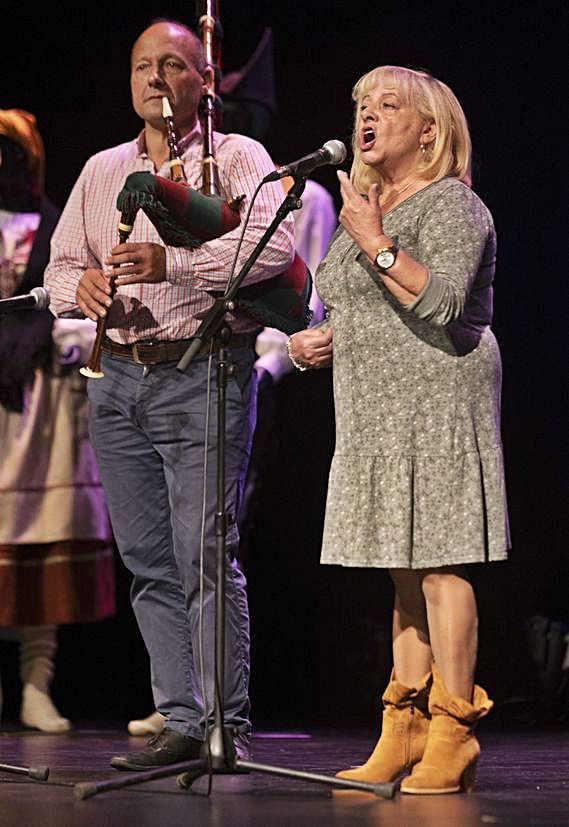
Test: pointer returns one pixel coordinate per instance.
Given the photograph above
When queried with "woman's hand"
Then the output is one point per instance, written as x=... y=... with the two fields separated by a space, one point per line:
x=140 y=262
x=361 y=218
x=312 y=348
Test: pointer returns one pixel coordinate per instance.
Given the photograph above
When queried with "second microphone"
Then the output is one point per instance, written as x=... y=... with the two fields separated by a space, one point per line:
x=333 y=152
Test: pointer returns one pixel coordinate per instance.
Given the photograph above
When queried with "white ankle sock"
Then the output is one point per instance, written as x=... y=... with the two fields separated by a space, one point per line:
x=38 y=711
x=147 y=726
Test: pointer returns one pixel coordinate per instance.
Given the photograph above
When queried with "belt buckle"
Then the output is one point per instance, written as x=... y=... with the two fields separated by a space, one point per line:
x=135 y=357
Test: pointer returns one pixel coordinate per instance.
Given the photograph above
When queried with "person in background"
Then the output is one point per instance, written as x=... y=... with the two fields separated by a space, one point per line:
x=249 y=103
x=417 y=480
x=56 y=554
x=314 y=226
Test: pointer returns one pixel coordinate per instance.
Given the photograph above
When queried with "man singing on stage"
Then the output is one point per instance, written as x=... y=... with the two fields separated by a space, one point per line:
x=147 y=419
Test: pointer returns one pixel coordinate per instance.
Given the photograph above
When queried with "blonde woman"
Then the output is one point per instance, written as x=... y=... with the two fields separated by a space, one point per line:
x=416 y=484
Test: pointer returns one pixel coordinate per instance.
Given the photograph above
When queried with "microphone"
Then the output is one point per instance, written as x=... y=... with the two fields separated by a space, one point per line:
x=36 y=299
x=333 y=152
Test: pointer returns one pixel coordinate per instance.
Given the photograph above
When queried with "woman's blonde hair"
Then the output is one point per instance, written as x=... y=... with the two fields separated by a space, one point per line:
x=448 y=154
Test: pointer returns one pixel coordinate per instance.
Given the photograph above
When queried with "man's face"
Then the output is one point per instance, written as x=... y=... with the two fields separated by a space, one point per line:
x=163 y=64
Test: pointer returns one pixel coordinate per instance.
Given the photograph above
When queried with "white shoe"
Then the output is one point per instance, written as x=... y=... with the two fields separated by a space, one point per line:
x=39 y=712
x=153 y=725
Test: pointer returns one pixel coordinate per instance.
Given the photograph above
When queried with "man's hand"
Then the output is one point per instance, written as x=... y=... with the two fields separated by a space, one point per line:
x=141 y=262
x=94 y=293
x=312 y=348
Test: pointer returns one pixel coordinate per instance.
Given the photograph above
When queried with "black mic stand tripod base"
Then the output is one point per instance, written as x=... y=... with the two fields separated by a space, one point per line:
x=35 y=773
x=218 y=752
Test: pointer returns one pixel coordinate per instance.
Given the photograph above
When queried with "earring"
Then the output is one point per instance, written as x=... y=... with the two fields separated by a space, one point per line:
x=422 y=147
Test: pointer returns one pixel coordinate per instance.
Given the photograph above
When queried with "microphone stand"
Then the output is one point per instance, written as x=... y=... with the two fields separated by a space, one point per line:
x=36 y=774
x=219 y=753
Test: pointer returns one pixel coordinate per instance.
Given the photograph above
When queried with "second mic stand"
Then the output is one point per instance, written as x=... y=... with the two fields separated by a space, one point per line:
x=218 y=754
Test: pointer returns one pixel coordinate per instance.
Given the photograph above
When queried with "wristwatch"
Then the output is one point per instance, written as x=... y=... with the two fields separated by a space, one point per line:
x=385 y=257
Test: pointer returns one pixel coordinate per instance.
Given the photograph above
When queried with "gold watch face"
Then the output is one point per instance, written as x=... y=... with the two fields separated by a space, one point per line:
x=385 y=259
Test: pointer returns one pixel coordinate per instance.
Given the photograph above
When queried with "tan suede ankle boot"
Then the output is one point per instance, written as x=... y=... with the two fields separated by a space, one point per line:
x=404 y=729
x=449 y=762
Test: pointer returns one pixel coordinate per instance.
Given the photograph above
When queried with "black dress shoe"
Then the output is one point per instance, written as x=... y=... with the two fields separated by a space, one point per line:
x=168 y=747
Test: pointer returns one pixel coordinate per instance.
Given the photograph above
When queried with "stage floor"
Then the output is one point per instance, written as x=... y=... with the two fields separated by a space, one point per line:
x=523 y=779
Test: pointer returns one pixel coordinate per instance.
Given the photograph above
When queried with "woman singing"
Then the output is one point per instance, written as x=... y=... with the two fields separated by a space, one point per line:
x=416 y=484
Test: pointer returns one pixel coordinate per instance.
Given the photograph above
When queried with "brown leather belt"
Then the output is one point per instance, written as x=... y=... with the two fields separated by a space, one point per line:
x=153 y=353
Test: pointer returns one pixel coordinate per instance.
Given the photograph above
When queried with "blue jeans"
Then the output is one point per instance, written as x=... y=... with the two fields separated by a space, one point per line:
x=147 y=429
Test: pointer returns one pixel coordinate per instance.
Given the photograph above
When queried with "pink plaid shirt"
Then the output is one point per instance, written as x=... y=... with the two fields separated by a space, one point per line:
x=171 y=310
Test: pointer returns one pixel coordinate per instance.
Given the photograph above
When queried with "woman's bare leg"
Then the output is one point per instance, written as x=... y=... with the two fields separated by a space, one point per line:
x=453 y=627
x=412 y=655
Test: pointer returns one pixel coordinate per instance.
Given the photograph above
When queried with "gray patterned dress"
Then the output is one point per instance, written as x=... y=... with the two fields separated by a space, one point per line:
x=417 y=476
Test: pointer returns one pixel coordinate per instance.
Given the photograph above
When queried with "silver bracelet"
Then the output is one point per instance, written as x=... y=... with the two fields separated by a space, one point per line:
x=297 y=365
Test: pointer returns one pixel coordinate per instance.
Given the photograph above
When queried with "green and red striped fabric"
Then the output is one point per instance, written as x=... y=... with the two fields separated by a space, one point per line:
x=183 y=216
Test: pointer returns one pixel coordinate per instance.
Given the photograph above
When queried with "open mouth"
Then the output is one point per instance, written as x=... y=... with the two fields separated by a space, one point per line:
x=367 y=138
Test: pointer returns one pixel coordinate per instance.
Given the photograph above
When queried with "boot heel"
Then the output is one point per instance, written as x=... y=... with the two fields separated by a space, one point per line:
x=468 y=777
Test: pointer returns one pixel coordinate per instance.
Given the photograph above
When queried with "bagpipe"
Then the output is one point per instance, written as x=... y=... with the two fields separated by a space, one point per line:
x=187 y=217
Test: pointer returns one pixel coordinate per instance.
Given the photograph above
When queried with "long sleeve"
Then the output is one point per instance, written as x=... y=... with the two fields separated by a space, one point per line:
x=70 y=251
x=457 y=244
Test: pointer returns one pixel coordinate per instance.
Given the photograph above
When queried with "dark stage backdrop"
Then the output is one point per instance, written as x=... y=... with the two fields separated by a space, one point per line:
x=321 y=635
